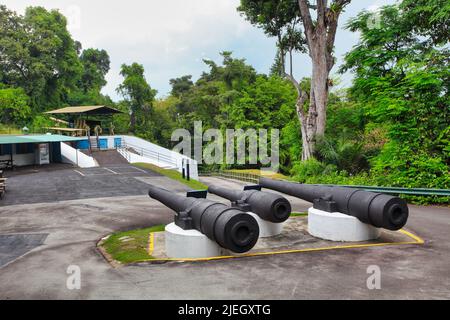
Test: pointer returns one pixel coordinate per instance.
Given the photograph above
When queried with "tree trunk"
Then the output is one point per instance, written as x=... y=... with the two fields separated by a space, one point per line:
x=320 y=38
x=132 y=121
x=319 y=84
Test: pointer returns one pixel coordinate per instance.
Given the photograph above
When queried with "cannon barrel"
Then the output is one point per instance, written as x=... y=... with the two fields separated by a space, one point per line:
x=268 y=206
x=231 y=228
x=377 y=209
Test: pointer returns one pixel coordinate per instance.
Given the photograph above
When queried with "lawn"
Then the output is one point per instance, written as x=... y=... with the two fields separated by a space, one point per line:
x=130 y=246
x=257 y=172
x=299 y=214
x=173 y=174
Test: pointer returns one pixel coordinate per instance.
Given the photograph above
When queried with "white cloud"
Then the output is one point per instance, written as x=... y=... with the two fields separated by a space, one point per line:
x=171 y=37
x=162 y=35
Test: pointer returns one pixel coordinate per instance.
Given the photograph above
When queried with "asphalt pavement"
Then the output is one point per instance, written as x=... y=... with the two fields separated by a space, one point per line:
x=54 y=233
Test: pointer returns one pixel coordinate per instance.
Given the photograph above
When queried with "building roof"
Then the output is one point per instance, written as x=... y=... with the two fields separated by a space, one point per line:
x=65 y=129
x=91 y=110
x=9 y=139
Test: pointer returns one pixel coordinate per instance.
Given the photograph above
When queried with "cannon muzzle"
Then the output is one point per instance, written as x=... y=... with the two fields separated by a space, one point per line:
x=377 y=209
x=231 y=228
x=268 y=206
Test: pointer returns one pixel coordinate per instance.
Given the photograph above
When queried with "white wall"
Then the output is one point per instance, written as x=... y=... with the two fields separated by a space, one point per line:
x=175 y=158
x=76 y=157
x=20 y=160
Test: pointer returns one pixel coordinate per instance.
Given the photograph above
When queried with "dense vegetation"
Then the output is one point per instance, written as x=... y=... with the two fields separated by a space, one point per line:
x=390 y=128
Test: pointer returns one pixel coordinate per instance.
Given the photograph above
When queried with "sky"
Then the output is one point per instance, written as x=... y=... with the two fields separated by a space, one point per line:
x=172 y=37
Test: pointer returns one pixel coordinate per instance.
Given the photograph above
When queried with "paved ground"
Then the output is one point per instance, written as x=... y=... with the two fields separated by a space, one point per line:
x=73 y=227
x=109 y=157
x=41 y=186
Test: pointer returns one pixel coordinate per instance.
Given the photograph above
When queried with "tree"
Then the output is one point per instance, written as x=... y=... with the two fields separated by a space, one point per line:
x=14 y=106
x=282 y=19
x=136 y=91
x=320 y=37
x=401 y=83
x=181 y=85
x=427 y=18
x=96 y=65
x=278 y=18
x=39 y=55
x=221 y=85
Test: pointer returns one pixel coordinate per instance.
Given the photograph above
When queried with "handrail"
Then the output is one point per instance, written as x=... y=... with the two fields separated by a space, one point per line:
x=148 y=153
x=247 y=177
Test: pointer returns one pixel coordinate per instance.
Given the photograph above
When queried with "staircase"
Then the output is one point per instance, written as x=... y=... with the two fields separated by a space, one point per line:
x=93 y=142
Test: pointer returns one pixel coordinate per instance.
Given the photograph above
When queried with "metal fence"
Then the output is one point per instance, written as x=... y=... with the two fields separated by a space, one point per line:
x=246 y=177
x=253 y=178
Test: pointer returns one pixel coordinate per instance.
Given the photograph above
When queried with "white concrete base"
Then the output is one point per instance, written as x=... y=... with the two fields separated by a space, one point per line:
x=266 y=228
x=339 y=227
x=189 y=244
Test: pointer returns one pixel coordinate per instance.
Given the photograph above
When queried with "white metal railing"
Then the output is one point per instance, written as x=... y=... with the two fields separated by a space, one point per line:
x=127 y=148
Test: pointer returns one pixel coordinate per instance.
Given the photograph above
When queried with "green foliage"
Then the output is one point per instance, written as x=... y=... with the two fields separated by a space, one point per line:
x=96 y=64
x=428 y=18
x=159 y=124
x=39 y=123
x=181 y=85
x=14 y=106
x=40 y=60
x=280 y=19
x=403 y=86
x=38 y=55
x=137 y=92
x=303 y=170
x=130 y=246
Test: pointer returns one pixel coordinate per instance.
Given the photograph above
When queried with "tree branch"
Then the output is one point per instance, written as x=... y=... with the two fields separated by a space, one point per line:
x=332 y=18
x=295 y=83
x=321 y=9
x=307 y=20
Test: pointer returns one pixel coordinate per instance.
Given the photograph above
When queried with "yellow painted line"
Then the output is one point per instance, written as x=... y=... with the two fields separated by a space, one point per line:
x=151 y=243
x=417 y=241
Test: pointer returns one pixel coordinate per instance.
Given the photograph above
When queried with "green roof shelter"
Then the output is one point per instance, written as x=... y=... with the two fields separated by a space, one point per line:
x=25 y=150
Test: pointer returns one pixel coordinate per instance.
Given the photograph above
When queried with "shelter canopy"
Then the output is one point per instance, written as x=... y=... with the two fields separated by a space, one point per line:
x=88 y=110
x=9 y=139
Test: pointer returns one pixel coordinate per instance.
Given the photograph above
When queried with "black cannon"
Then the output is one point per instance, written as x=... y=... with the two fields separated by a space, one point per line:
x=268 y=206
x=231 y=228
x=377 y=209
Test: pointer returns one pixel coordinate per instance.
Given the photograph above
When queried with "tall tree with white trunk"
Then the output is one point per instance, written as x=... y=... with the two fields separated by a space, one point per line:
x=320 y=22
x=320 y=37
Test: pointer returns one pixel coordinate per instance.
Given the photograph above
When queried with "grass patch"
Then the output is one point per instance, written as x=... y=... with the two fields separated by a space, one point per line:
x=130 y=246
x=299 y=214
x=271 y=175
x=173 y=174
x=5 y=129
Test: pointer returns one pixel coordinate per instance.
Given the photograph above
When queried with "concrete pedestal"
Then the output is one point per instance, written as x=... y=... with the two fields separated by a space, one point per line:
x=189 y=244
x=339 y=227
x=266 y=228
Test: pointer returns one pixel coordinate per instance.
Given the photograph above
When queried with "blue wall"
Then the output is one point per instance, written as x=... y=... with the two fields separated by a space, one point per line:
x=83 y=145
